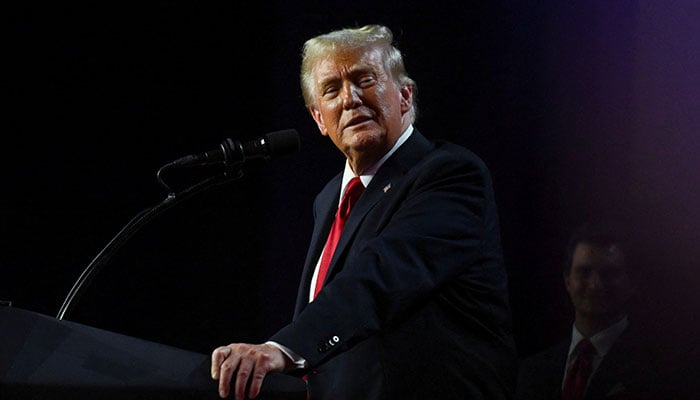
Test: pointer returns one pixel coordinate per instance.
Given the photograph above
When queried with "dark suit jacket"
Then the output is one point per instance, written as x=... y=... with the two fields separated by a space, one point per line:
x=628 y=371
x=415 y=302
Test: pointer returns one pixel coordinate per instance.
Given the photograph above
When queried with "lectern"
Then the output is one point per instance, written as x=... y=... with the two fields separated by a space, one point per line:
x=42 y=357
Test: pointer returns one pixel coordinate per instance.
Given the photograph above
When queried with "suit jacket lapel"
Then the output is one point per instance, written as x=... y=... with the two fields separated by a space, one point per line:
x=325 y=205
x=556 y=369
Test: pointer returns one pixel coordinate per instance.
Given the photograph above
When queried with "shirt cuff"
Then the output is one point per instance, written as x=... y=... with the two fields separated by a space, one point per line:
x=297 y=361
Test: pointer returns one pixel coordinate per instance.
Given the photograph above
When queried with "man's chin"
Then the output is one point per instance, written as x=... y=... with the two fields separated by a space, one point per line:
x=365 y=138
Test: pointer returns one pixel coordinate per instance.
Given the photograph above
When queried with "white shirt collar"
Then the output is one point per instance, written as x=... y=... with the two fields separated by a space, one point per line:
x=366 y=178
x=603 y=340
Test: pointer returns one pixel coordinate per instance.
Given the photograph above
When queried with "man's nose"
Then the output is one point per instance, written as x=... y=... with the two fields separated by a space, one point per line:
x=595 y=280
x=351 y=97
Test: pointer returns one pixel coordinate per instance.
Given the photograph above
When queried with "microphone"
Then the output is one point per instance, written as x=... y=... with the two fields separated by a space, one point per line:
x=233 y=151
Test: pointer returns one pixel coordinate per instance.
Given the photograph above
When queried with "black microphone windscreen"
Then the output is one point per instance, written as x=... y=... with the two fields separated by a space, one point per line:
x=281 y=143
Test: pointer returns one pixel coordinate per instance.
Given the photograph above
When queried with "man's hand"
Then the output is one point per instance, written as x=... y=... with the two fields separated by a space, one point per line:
x=250 y=363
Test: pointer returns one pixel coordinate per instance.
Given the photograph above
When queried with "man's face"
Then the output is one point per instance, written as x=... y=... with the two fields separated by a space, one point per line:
x=598 y=283
x=358 y=104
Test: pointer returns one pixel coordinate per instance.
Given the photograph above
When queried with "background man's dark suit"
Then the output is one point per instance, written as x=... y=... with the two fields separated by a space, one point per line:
x=628 y=371
x=415 y=303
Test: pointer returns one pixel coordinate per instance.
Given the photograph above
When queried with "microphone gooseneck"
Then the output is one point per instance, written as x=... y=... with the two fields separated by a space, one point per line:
x=230 y=153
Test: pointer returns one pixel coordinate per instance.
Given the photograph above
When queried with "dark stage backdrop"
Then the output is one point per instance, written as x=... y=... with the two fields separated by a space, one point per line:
x=581 y=109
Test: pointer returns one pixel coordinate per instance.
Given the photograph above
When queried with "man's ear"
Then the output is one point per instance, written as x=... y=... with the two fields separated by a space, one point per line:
x=566 y=275
x=316 y=115
x=406 y=98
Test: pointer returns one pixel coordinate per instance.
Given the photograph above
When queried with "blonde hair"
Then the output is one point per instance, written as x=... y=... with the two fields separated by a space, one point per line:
x=320 y=46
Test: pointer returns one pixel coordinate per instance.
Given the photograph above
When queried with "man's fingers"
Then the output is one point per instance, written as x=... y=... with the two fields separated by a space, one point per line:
x=261 y=368
x=245 y=368
x=217 y=357
x=226 y=370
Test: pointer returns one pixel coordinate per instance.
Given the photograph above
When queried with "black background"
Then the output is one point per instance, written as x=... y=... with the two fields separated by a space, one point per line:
x=581 y=110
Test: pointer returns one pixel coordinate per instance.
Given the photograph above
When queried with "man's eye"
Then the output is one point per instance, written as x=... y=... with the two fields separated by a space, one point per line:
x=330 y=91
x=366 y=81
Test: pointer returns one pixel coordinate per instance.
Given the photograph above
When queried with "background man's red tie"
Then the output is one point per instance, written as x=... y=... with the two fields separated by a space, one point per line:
x=352 y=193
x=577 y=376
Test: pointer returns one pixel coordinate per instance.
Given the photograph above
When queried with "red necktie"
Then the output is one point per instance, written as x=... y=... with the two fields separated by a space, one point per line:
x=352 y=193
x=580 y=371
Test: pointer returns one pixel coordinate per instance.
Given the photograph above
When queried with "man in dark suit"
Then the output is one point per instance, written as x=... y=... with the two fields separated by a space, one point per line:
x=598 y=278
x=413 y=303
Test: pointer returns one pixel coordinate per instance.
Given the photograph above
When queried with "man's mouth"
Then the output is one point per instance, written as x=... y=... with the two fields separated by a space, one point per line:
x=357 y=121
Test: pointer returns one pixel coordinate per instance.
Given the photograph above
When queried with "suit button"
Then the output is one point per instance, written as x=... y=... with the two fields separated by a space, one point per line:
x=322 y=347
